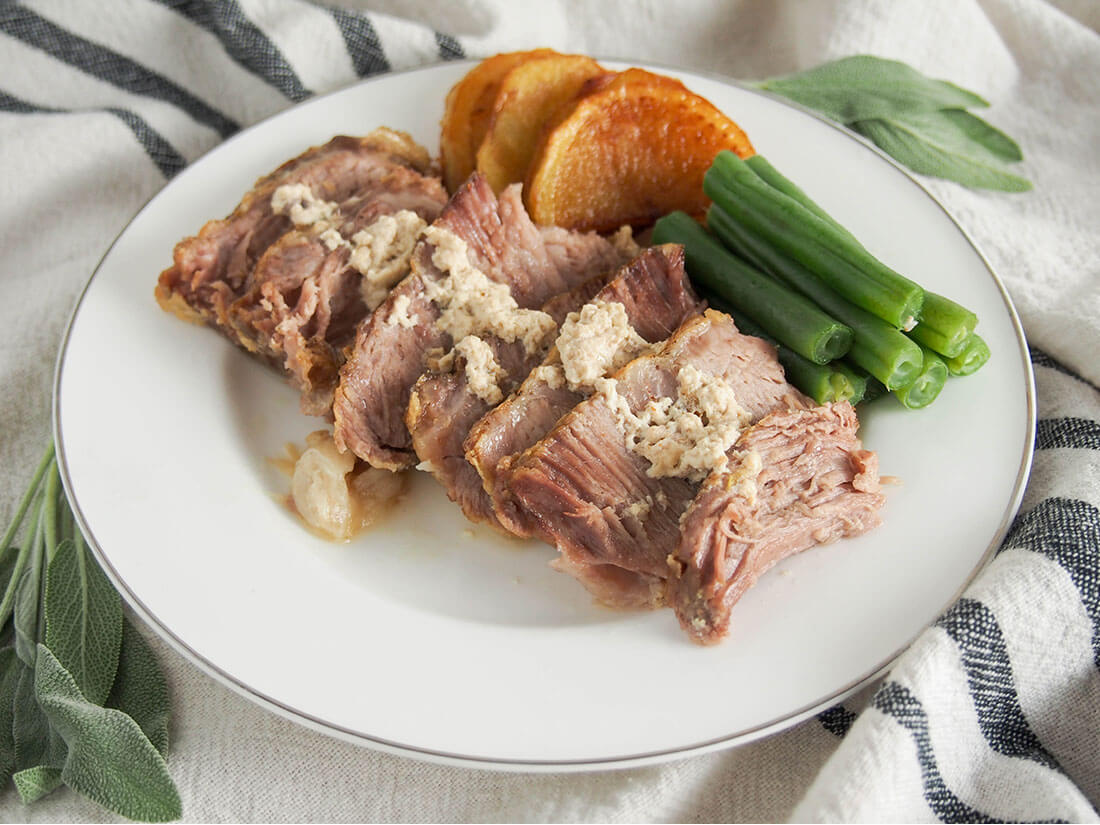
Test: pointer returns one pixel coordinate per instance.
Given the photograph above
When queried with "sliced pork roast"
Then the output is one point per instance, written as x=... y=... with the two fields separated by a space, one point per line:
x=477 y=242
x=210 y=270
x=601 y=501
x=796 y=479
x=655 y=297
x=444 y=405
x=306 y=254
x=313 y=286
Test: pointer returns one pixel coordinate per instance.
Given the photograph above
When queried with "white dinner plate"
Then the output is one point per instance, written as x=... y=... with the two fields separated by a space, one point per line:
x=436 y=638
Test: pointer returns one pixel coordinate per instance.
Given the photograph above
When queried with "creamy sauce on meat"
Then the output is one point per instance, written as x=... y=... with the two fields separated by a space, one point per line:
x=744 y=475
x=596 y=341
x=380 y=252
x=399 y=313
x=550 y=374
x=641 y=508
x=686 y=435
x=297 y=202
x=483 y=373
x=471 y=304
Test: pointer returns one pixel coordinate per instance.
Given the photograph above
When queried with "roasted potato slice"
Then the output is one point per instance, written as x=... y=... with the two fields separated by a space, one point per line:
x=467 y=110
x=632 y=147
x=529 y=95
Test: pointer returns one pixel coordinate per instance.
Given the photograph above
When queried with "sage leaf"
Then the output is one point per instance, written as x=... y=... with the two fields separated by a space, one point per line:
x=10 y=669
x=13 y=577
x=83 y=620
x=53 y=727
x=34 y=741
x=30 y=727
x=140 y=690
x=110 y=760
x=952 y=131
x=8 y=557
x=57 y=751
x=863 y=87
x=34 y=783
x=977 y=132
x=28 y=598
x=931 y=154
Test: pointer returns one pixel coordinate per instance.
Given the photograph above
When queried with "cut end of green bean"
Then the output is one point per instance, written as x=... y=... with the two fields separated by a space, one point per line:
x=944 y=325
x=824 y=383
x=927 y=385
x=895 y=366
x=855 y=380
x=834 y=344
x=946 y=345
x=821 y=382
x=974 y=354
x=912 y=309
x=904 y=371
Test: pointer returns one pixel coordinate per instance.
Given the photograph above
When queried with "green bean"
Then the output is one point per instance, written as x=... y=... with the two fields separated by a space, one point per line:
x=789 y=317
x=928 y=383
x=974 y=354
x=816 y=243
x=877 y=347
x=944 y=325
x=835 y=381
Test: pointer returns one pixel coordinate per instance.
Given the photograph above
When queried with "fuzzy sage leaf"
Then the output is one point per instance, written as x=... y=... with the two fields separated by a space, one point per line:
x=82 y=700
x=971 y=129
x=83 y=620
x=30 y=728
x=10 y=668
x=28 y=597
x=140 y=690
x=939 y=153
x=110 y=760
x=35 y=783
x=921 y=122
x=862 y=86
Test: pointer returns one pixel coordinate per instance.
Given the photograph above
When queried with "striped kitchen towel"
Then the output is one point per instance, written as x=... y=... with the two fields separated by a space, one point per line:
x=994 y=713
x=182 y=75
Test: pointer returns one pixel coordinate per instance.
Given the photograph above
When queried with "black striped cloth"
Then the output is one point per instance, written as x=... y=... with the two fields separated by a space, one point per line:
x=994 y=714
x=349 y=47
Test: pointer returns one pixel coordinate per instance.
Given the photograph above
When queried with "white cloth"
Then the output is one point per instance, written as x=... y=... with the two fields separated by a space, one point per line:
x=993 y=713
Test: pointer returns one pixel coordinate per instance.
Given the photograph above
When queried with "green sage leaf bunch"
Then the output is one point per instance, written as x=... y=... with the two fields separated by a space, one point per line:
x=924 y=124
x=83 y=701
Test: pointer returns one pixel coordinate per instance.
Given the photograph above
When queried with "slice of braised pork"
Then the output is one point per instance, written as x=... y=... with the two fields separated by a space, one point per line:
x=444 y=405
x=211 y=270
x=313 y=286
x=391 y=346
x=796 y=479
x=593 y=497
x=656 y=297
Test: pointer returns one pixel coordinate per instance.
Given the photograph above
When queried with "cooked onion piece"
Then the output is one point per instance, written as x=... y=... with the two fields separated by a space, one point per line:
x=336 y=497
